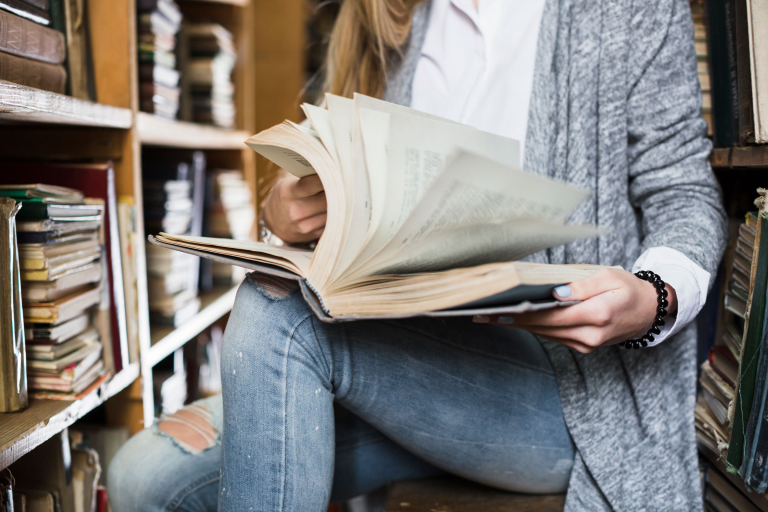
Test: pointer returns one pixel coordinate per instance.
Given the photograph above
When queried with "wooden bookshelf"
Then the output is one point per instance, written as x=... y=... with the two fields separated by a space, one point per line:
x=21 y=432
x=156 y=131
x=165 y=340
x=746 y=157
x=25 y=104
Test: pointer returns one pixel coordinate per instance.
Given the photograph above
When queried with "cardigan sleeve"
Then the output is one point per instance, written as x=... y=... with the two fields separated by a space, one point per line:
x=671 y=182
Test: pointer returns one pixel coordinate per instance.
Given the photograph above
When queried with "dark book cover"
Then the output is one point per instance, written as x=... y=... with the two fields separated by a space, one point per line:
x=26 y=10
x=755 y=466
x=744 y=75
x=40 y=4
x=722 y=70
x=749 y=357
x=24 y=38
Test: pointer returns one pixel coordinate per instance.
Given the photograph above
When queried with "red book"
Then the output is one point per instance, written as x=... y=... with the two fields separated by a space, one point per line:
x=724 y=364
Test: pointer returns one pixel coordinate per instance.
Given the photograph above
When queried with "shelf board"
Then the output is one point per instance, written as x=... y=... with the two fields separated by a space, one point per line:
x=760 y=500
x=746 y=157
x=165 y=340
x=21 y=432
x=19 y=103
x=156 y=131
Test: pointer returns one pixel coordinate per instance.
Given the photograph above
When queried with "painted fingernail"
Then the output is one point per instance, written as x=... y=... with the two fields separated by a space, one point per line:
x=563 y=291
x=506 y=320
x=481 y=319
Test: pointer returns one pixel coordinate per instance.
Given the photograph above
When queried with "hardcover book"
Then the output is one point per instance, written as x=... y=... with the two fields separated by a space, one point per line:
x=425 y=217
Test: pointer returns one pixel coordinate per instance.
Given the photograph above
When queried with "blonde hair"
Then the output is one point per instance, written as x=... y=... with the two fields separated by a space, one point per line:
x=367 y=35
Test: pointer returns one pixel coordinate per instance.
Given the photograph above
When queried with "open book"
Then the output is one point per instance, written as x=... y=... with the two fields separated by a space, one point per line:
x=424 y=215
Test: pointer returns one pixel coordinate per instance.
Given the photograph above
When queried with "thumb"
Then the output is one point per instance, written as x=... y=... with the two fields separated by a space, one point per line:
x=599 y=282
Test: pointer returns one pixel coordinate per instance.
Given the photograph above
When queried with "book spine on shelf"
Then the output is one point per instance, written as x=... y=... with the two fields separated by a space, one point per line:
x=27 y=39
x=39 y=75
x=744 y=74
x=40 y=4
x=26 y=10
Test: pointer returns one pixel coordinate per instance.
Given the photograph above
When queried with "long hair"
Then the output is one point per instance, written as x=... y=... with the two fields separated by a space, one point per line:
x=367 y=35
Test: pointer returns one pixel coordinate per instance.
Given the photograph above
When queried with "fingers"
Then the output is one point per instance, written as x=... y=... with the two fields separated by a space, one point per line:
x=599 y=282
x=304 y=187
x=585 y=313
x=308 y=227
x=305 y=208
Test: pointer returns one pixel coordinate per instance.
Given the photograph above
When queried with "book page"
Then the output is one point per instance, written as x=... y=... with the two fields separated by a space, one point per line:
x=320 y=119
x=419 y=150
x=243 y=248
x=359 y=229
x=375 y=131
x=480 y=211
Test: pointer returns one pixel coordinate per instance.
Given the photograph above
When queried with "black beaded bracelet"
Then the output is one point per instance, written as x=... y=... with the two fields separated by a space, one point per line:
x=661 y=310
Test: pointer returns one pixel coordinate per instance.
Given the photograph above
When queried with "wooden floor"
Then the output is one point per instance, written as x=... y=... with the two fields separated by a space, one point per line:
x=457 y=495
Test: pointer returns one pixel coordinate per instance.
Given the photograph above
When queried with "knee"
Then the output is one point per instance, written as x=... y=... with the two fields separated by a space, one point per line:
x=130 y=477
x=264 y=316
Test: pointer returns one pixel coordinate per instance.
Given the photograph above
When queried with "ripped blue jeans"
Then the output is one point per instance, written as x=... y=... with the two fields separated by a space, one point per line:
x=312 y=413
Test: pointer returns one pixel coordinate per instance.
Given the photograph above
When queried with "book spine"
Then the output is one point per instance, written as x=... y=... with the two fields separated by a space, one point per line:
x=30 y=73
x=26 y=10
x=27 y=39
x=748 y=372
x=744 y=74
x=40 y=4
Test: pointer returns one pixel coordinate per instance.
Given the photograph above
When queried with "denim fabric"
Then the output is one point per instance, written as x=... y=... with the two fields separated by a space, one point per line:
x=412 y=399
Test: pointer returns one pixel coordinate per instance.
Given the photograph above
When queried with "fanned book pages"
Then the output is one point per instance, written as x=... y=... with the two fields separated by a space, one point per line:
x=425 y=216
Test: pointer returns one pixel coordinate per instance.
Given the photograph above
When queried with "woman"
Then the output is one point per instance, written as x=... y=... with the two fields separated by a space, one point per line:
x=604 y=94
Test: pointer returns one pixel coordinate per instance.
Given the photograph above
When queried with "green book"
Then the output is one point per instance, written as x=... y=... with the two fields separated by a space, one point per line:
x=35 y=209
x=751 y=350
x=44 y=193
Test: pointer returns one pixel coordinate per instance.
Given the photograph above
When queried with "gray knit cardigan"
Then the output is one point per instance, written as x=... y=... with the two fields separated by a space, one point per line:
x=616 y=108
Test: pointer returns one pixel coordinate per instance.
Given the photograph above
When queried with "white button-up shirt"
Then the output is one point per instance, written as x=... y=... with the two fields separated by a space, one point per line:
x=476 y=68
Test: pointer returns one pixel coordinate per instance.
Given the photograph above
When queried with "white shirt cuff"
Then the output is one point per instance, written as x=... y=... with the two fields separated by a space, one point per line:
x=689 y=280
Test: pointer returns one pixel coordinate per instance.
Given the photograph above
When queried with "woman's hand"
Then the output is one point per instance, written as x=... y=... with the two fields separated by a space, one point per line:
x=616 y=306
x=295 y=210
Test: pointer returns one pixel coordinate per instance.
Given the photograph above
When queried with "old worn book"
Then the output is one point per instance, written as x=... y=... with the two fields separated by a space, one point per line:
x=46 y=269
x=43 y=350
x=31 y=73
x=49 y=194
x=79 y=56
x=62 y=284
x=57 y=333
x=25 y=38
x=757 y=24
x=741 y=408
x=70 y=366
x=424 y=215
x=26 y=10
x=61 y=310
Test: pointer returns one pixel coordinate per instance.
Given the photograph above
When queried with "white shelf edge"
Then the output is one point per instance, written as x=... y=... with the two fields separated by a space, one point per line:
x=178 y=337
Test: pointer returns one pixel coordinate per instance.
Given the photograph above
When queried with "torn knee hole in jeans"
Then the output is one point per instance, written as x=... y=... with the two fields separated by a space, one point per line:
x=190 y=428
x=274 y=287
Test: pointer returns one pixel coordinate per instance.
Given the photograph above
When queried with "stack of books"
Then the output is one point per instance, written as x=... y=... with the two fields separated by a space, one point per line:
x=60 y=248
x=159 y=22
x=208 y=74
x=231 y=215
x=168 y=207
x=702 y=60
x=730 y=418
x=31 y=53
x=720 y=373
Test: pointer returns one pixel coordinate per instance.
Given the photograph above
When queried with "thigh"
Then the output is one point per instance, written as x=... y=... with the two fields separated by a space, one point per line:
x=478 y=401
